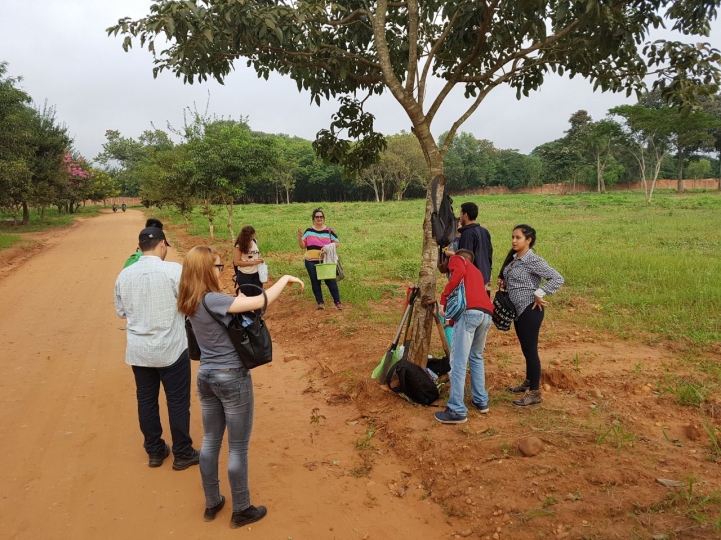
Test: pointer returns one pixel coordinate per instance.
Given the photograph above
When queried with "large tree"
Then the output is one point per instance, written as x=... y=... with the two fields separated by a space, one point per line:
x=338 y=50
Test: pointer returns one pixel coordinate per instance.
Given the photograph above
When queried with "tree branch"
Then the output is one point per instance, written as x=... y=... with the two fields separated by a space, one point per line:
x=480 y=43
x=412 y=45
x=431 y=55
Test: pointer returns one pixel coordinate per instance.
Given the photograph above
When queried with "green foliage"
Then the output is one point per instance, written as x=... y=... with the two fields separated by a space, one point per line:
x=7 y=240
x=686 y=393
x=699 y=169
x=617 y=434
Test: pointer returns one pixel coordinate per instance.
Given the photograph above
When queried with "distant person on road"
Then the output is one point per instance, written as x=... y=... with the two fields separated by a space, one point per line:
x=477 y=239
x=146 y=295
x=136 y=256
x=115 y=207
x=224 y=385
x=246 y=258
x=521 y=275
x=123 y=206
x=470 y=330
x=314 y=241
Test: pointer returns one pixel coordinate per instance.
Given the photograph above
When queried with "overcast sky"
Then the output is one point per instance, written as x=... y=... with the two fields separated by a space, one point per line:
x=61 y=50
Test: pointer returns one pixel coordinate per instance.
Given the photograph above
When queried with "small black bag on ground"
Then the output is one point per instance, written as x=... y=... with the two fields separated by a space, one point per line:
x=439 y=366
x=409 y=379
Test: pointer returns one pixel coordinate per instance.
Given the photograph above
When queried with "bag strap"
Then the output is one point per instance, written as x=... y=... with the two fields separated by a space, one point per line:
x=265 y=296
x=217 y=319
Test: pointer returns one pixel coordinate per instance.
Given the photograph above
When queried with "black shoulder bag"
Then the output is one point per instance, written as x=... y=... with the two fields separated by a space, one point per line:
x=249 y=334
x=504 y=312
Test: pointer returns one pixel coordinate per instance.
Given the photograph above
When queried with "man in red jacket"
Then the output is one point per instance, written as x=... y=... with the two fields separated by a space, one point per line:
x=469 y=338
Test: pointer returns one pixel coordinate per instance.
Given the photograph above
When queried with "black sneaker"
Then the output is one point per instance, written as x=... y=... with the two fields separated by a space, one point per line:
x=247 y=516
x=156 y=460
x=180 y=463
x=210 y=513
x=521 y=388
x=482 y=407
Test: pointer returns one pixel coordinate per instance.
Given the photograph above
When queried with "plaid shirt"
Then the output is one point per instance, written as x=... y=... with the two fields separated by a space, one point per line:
x=146 y=294
x=523 y=277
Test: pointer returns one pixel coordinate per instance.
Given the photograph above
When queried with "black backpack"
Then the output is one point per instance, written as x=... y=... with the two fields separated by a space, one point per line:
x=412 y=381
x=444 y=224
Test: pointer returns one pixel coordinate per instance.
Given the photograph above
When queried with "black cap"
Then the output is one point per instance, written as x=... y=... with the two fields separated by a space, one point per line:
x=152 y=233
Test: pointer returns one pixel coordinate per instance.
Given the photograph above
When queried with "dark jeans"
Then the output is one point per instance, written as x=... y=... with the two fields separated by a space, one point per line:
x=226 y=399
x=528 y=325
x=176 y=384
x=243 y=279
x=315 y=283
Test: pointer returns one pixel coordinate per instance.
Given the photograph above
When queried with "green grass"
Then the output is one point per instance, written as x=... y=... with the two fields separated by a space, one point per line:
x=52 y=220
x=7 y=240
x=629 y=267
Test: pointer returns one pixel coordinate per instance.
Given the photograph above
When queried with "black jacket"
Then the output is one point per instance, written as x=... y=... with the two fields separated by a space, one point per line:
x=478 y=240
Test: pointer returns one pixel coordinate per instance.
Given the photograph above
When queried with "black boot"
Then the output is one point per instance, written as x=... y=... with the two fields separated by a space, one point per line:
x=520 y=389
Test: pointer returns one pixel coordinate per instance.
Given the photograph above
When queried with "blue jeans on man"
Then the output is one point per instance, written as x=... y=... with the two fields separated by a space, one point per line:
x=469 y=340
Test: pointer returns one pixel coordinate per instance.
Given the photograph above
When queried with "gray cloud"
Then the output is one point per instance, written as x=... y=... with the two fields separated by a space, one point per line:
x=64 y=56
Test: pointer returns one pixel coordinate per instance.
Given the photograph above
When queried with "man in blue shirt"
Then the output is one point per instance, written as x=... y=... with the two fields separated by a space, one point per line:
x=476 y=239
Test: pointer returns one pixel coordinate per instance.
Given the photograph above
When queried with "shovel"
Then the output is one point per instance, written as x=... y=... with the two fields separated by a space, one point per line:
x=391 y=350
x=407 y=338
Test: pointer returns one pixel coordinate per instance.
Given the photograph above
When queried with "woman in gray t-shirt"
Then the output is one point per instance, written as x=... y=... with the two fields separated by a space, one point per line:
x=224 y=385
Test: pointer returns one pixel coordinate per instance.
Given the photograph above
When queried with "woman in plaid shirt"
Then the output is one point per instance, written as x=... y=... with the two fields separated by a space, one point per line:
x=521 y=275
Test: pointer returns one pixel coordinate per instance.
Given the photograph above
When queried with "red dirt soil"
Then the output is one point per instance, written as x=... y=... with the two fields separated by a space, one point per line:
x=333 y=456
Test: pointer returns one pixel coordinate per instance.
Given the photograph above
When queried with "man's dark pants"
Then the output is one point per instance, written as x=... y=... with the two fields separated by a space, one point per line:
x=176 y=384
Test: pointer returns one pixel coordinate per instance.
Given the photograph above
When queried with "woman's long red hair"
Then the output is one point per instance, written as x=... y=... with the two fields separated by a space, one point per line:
x=197 y=279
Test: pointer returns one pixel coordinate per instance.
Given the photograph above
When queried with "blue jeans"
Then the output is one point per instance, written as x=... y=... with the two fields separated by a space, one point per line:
x=315 y=283
x=469 y=340
x=226 y=399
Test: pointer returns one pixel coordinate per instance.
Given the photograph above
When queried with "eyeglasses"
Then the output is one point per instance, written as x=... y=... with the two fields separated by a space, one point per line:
x=220 y=267
x=319 y=217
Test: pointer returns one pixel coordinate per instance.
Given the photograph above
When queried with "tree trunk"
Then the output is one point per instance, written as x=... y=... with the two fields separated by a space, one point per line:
x=42 y=213
x=679 y=185
x=208 y=212
x=425 y=303
x=375 y=190
x=26 y=214
x=229 y=207
x=287 y=196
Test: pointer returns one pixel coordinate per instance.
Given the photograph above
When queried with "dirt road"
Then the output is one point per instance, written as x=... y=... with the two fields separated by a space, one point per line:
x=74 y=465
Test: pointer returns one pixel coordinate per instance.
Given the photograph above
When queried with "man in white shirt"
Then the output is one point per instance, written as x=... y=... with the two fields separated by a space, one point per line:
x=146 y=294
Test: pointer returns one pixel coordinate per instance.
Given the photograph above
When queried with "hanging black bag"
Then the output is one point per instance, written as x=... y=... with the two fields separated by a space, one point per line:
x=411 y=380
x=193 y=348
x=504 y=312
x=249 y=334
x=444 y=224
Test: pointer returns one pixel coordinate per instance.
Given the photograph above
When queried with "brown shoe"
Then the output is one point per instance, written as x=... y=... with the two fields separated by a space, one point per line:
x=520 y=389
x=532 y=397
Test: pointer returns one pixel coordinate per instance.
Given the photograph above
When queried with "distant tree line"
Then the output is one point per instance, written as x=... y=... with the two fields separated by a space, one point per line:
x=38 y=166
x=223 y=161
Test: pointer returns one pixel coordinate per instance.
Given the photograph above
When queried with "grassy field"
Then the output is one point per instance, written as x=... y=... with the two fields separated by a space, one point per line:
x=9 y=231
x=629 y=267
